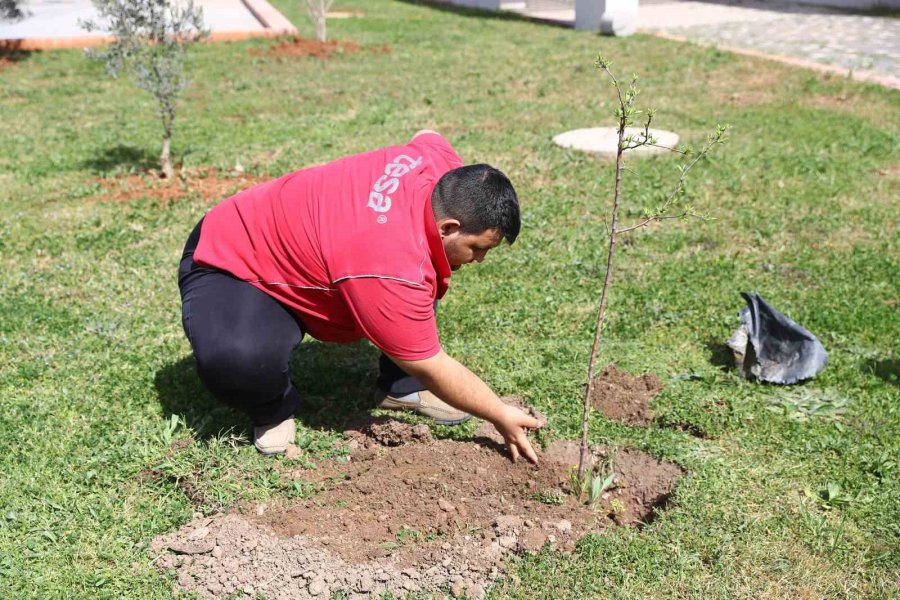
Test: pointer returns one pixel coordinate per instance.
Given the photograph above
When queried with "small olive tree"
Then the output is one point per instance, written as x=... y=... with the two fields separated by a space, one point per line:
x=150 y=41
x=11 y=10
x=670 y=206
x=318 y=13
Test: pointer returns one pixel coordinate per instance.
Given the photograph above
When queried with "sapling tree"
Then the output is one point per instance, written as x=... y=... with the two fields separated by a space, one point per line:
x=318 y=13
x=151 y=39
x=11 y=10
x=671 y=206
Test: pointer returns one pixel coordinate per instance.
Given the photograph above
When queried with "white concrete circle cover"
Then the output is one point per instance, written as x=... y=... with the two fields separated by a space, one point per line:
x=605 y=140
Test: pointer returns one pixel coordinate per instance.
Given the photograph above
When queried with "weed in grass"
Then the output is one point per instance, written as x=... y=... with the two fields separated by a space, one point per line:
x=408 y=536
x=551 y=498
x=167 y=435
x=831 y=495
x=881 y=466
x=303 y=489
x=803 y=404
x=825 y=535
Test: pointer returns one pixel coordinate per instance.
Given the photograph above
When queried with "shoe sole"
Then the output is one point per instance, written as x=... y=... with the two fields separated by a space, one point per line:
x=270 y=452
x=391 y=404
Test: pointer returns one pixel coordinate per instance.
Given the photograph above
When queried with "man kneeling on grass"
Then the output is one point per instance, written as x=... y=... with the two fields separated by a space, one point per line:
x=360 y=247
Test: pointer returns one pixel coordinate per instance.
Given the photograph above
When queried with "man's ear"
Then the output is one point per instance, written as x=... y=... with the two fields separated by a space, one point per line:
x=448 y=226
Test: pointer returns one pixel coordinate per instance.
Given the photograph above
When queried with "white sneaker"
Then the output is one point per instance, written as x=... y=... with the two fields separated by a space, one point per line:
x=275 y=438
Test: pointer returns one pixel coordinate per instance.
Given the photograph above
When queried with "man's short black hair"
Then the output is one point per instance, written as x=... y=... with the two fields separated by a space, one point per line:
x=480 y=197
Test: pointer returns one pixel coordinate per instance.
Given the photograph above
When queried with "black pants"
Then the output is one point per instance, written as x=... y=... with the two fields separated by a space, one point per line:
x=243 y=338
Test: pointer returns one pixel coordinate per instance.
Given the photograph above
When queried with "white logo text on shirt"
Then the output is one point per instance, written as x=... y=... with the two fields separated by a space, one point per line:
x=379 y=199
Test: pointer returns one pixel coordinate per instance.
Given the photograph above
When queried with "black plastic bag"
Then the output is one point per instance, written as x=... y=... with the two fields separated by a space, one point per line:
x=771 y=347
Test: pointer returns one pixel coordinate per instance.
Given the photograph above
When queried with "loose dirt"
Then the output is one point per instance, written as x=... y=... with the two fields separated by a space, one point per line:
x=11 y=53
x=6 y=62
x=298 y=47
x=891 y=171
x=407 y=513
x=208 y=184
x=625 y=397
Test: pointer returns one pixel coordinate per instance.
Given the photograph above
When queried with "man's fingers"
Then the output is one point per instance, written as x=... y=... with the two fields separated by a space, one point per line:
x=528 y=450
x=520 y=445
x=532 y=423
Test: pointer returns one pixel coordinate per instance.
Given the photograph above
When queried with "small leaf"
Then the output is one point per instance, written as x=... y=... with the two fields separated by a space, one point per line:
x=607 y=483
x=596 y=488
x=53 y=504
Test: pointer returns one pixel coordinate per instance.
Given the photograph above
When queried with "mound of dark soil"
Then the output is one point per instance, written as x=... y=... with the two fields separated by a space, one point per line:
x=625 y=397
x=385 y=431
x=409 y=513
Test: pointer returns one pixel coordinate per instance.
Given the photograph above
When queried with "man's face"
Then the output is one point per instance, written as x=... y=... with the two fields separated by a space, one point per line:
x=464 y=248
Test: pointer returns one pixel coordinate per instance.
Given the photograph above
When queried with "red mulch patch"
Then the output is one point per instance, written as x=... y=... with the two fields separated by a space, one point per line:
x=11 y=53
x=298 y=47
x=208 y=184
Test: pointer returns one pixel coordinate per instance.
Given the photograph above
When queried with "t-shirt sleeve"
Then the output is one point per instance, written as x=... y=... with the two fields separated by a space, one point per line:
x=397 y=317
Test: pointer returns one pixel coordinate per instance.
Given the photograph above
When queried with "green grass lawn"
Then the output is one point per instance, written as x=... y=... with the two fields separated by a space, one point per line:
x=97 y=384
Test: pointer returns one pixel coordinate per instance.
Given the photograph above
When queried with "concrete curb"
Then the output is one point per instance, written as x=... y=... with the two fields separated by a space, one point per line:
x=270 y=18
x=887 y=81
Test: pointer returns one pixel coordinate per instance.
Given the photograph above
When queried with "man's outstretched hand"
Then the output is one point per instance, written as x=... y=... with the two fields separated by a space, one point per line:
x=513 y=425
x=460 y=388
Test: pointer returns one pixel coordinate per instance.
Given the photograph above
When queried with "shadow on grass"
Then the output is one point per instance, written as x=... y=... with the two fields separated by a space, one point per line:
x=720 y=355
x=887 y=369
x=335 y=380
x=121 y=155
x=180 y=393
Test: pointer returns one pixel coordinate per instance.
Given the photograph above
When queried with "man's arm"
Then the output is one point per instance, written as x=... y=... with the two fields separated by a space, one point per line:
x=461 y=388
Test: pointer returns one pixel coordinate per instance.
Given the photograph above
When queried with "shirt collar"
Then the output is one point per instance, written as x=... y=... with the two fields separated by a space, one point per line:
x=436 y=250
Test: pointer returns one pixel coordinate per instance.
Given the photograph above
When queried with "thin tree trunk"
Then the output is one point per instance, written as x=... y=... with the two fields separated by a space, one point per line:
x=321 y=25
x=165 y=158
x=601 y=311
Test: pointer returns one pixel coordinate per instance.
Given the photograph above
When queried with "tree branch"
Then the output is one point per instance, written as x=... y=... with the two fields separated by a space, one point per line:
x=650 y=219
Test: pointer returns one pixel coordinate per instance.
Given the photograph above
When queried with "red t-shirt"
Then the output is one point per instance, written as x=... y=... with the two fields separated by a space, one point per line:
x=351 y=246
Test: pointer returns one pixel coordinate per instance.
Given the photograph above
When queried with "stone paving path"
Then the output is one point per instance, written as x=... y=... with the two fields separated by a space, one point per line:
x=852 y=41
x=802 y=34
